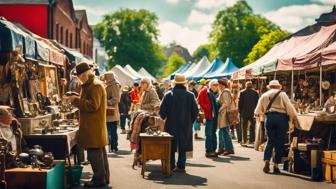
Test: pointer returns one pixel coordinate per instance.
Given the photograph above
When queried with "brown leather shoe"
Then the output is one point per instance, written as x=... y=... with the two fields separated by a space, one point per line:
x=226 y=153
x=220 y=151
x=178 y=170
x=266 y=168
x=95 y=184
x=211 y=155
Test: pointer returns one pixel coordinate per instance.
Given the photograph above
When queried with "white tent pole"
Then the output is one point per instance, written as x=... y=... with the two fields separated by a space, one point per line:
x=292 y=86
x=321 y=85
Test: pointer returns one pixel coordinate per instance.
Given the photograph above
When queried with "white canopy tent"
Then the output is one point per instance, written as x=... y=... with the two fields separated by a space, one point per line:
x=128 y=68
x=123 y=76
x=145 y=73
x=202 y=65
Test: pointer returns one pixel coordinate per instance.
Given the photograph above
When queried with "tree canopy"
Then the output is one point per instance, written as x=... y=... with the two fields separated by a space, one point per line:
x=174 y=62
x=236 y=30
x=131 y=37
x=266 y=42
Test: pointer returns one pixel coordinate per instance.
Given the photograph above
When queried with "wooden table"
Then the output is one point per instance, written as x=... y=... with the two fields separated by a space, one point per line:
x=53 y=178
x=327 y=121
x=59 y=144
x=156 y=148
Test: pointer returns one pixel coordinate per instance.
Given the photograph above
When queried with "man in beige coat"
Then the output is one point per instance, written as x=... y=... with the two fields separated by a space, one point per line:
x=112 y=117
x=149 y=99
x=92 y=129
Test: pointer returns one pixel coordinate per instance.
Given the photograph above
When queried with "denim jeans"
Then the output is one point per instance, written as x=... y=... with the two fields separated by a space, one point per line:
x=123 y=119
x=210 y=136
x=197 y=126
x=276 y=131
x=181 y=160
x=112 y=134
x=225 y=140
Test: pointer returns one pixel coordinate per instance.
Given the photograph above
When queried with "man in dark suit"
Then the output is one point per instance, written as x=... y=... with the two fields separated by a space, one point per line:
x=247 y=103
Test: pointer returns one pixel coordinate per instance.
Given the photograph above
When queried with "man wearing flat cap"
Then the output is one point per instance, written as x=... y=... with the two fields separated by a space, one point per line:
x=92 y=124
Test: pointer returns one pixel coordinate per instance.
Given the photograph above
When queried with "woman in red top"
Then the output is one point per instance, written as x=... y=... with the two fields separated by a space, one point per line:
x=135 y=96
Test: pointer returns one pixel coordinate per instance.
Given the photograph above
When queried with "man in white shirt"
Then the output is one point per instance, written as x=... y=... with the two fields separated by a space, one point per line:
x=279 y=111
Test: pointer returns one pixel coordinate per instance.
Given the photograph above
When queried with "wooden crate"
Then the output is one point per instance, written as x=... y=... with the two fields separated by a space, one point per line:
x=30 y=178
x=329 y=165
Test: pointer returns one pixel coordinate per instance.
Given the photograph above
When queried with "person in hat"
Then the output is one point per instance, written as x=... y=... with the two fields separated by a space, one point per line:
x=149 y=99
x=208 y=103
x=179 y=109
x=92 y=134
x=124 y=107
x=225 y=102
x=279 y=110
x=112 y=117
x=247 y=103
x=202 y=85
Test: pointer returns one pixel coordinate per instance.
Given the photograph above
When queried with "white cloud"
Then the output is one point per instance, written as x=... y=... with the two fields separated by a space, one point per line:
x=214 y=4
x=172 y=2
x=328 y=2
x=198 y=17
x=97 y=11
x=295 y=17
x=185 y=36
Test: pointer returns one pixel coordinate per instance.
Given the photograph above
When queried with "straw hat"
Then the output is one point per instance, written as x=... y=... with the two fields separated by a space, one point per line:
x=274 y=83
x=180 y=79
x=325 y=85
x=126 y=88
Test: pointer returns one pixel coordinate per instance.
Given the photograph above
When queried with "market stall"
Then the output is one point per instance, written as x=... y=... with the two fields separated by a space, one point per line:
x=32 y=75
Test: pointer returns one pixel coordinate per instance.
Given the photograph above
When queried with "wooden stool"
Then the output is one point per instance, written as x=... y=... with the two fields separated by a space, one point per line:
x=156 y=148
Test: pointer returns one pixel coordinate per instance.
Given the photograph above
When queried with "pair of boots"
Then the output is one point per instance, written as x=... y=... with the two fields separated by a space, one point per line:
x=266 y=168
x=223 y=152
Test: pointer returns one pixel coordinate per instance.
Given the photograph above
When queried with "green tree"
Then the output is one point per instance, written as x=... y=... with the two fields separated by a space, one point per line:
x=131 y=37
x=236 y=30
x=202 y=50
x=207 y=50
x=174 y=62
x=266 y=42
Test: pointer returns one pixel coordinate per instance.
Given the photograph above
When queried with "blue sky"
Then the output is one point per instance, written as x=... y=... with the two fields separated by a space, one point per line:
x=188 y=22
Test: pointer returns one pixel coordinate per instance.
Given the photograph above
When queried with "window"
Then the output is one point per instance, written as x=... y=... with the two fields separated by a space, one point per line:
x=66 y=38
x=61 y=35
x=70 y=40
x=57 y=30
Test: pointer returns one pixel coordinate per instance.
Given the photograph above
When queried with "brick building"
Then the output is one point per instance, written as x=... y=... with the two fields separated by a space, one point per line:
x=53 y=19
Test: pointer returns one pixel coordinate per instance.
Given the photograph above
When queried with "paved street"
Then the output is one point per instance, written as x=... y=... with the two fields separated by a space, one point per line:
x=244 y=170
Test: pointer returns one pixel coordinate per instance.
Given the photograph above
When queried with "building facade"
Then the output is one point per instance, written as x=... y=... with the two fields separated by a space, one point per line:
x=53 y=19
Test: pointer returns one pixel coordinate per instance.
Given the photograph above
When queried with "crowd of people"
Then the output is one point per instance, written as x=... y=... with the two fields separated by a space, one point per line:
x=184 y=106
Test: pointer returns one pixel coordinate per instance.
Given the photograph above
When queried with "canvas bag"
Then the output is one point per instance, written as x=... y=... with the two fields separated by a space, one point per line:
x=233 y=113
